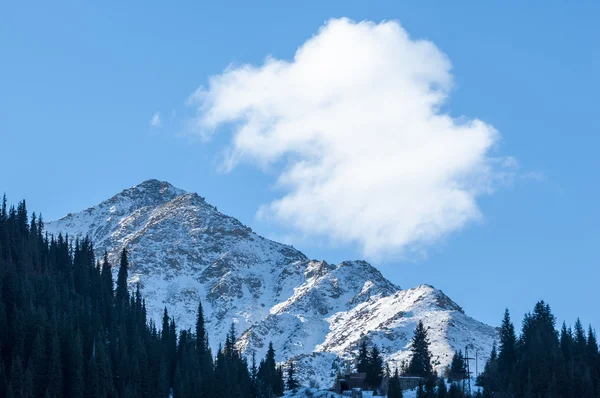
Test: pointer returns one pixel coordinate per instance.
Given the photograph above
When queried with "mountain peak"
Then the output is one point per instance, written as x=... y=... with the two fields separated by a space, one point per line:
x=182 y=250
x=433 y=296
x=154 y=187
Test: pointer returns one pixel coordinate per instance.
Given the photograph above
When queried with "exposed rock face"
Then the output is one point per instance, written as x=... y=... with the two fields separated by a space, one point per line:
x=183 y=250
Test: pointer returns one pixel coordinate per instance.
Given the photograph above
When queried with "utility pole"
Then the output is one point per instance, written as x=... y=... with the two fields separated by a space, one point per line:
x=468 y=379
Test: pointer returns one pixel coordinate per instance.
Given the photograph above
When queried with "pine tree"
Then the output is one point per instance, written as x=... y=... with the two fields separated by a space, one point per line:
x=454 y=391
x=458 y=368
x=75 y=376
x=201 y=343
x=279 y=385
x=430 y=387
x=580 y=341
x=374 y=368
x=539 y=348
x=253 y=377
x=92 y=383
x=442 y=389
x=55 y=375
x=566 y=343
x=394 y=388
x=291 y=381
x=38 y=362
x=270 y=378
x=420 y=362
x=507 y=356
x=122 y=293
x=362 y=361
x=106 y=283
x=592 y=346
x=487 y=378
x=230 y=350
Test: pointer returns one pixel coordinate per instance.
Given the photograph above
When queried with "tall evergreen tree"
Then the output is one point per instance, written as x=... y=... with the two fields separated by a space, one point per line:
x=122 y=293
x=374 y=368
x=270 y=378
x=394 y=388
x=362 y=361
x=420 y=362
x=458 y=368
x=291 y=381
x=507 y=356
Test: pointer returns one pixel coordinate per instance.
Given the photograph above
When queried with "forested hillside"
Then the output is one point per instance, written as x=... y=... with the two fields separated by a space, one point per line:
x=543 y=362
x=67 y=330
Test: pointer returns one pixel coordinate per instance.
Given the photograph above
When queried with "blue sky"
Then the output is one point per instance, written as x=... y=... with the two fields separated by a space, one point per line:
x=80 y=84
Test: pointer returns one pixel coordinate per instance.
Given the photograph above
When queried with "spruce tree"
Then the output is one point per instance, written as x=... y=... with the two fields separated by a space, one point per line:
x=507 y=356
x=253 y=377
x=291 y=381
x=420 y=362
x=201 y=343
x=394 y=388
x=442 y=389
x=38 y=363
x=362 y=361
x=458 y=368
x=270 y=377
x=122 y=293
x=374 y=368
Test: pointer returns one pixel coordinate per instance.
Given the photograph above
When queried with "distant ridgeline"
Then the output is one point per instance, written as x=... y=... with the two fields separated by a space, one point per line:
x=67 y=330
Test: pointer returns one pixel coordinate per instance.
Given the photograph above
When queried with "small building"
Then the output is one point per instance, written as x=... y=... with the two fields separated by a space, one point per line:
x=353 y=384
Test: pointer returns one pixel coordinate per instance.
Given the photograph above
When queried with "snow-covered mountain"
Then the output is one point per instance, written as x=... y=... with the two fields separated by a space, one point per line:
x=183 y=250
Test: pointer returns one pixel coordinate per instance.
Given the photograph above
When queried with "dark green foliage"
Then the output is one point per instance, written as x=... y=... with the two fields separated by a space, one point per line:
x=508 y=347
x=455 y=391
x=269 y=376
x=291 y=381
x=442 y=389
x=420 y=362
x=458 y=367
x=375 y=368
x=64 y=330
x=370 y=363
x=122 y=294
x=394 y=390
x=362 y=362
x=543 y=362
x=430 y=389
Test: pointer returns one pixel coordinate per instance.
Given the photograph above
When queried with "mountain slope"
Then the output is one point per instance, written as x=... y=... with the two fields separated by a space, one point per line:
x=183 y=250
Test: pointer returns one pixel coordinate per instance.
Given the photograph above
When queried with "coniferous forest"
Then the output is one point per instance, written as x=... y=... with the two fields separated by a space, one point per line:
x=67 y=331
x=541 y=362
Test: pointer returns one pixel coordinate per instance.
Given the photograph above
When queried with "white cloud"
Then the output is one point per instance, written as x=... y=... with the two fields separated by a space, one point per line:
x=353 y=126
x=155 y=121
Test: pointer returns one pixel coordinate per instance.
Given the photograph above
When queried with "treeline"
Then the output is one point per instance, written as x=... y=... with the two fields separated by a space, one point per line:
x=67 y=330
x=380 y=378
x=542 y=361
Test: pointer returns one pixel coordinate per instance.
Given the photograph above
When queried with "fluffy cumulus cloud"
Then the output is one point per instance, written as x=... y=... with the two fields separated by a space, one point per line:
x=354 y=127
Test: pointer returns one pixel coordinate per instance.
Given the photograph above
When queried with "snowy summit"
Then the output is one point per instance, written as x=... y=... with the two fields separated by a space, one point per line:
x=183 y=250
